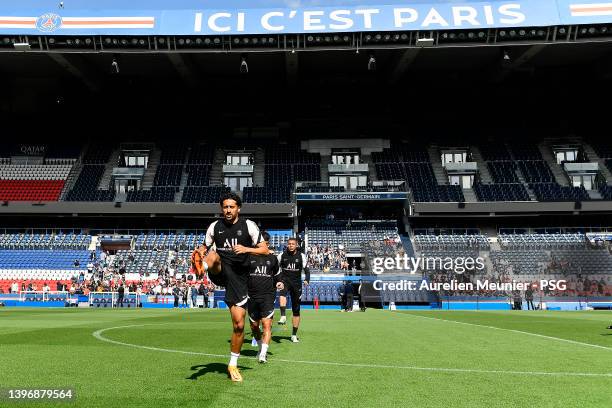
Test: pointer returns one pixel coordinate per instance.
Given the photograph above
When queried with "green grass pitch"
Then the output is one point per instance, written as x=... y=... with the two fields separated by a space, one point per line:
x=177 y=358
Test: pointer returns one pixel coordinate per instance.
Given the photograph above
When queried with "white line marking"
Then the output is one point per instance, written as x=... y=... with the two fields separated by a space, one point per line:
x=514 y=331
x=98 y=335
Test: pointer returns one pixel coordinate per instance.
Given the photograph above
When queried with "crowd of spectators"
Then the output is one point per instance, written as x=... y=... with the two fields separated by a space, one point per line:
x=326 y=258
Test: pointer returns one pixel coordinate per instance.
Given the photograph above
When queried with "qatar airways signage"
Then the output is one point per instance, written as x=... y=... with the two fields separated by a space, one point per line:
x=238 y=17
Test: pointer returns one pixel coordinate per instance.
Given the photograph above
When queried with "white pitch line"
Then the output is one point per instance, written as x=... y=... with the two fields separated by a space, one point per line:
x=513 y=331
x=98 y=335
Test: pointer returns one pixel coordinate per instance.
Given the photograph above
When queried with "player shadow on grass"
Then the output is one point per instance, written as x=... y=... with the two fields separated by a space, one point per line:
x=203 y=369
x=277 y=339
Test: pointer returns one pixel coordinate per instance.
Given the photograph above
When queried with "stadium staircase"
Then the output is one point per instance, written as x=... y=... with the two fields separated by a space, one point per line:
x=149 y=176
x=483 y=170
x=469 y=195
x=325 y=160
x=547 y=154
x=71 y=179
x=594 y=194
x=184 y=177
x=93 y=244
x=259 y=159
x=436 y=164
x=105 y=180
x=521 y=178
x=216 y=172
x=367 y=159
x=407 y=244
x=594 y=157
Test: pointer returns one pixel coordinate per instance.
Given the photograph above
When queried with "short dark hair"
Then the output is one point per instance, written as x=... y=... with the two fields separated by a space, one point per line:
x=230 y=196
x=293 y=239
x=265 y=236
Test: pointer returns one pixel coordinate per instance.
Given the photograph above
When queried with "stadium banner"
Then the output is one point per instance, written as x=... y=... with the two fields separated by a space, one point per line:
x=237 y=17
x=350 y=196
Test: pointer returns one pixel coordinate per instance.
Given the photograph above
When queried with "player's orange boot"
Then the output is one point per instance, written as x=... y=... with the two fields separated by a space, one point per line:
x=234 y=374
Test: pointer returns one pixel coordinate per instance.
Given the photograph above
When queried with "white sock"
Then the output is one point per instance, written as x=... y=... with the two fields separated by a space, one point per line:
x=234 y=359
x=264 y=349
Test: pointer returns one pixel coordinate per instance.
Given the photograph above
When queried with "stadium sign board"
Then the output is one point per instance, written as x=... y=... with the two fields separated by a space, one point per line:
x=350 y=196
x=238 y=17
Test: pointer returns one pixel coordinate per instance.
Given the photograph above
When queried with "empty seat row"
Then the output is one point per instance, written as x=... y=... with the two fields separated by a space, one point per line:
x=155 y=194
x=34 y=172
x=31 y=190
x=555 y=192
x=267 y=194
x=501 y=192
x=198 y=175
x=503 y=172
x=168 y=175
x=44 y=241
x=86 y=185
x=210 y=194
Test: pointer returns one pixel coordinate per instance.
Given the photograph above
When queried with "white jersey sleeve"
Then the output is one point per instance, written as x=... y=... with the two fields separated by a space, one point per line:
x=254 y=232
x=210 y=239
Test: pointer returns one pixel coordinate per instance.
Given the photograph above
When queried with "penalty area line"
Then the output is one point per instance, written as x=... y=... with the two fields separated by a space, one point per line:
x=513 y=331
x=98 y=335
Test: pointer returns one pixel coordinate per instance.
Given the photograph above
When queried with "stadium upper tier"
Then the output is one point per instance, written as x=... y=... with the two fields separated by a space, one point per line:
x=348 y=233
x=267 y=172
x=45 y=241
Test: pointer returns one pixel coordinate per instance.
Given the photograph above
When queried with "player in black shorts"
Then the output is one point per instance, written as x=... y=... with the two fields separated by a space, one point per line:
x=292 y=263
x=264 y=279
x=229 y=242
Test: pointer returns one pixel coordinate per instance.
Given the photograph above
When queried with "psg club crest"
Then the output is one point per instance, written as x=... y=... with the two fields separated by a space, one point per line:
x=48 y=22
x=239 y=233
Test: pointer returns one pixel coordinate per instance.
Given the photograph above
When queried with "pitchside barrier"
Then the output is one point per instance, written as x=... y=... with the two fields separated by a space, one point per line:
x=42 y=299
x=111 y=299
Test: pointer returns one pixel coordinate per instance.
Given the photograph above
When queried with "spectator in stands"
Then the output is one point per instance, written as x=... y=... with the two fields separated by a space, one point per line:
x=14 y=287
x=77 y=263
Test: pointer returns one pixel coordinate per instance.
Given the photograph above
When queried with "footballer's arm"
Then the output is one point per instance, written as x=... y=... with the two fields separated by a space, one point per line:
x=260 y=249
